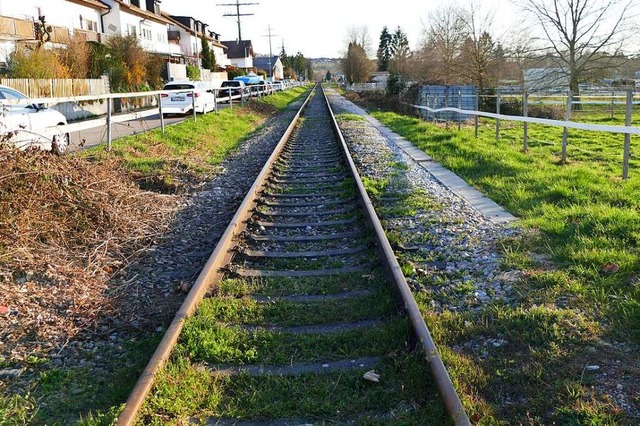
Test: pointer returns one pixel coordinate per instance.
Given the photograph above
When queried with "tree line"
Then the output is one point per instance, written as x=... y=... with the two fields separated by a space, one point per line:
x=581 y=39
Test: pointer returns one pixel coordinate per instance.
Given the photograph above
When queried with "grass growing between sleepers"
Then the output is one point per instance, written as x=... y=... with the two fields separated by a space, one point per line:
x=288 y=313
x=185 y=390
x=278 y=287
x=205 y=340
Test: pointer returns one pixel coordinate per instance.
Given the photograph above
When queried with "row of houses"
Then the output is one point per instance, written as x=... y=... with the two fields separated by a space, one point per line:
x=175 y=37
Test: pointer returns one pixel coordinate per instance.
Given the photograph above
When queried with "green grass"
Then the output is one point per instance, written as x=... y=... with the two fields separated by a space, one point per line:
x=586 y=215
x=79 y=395
x=287 y=313
x=282 y=100
x=204 y=339
x=184 y=390
x=278 y=287
x=584 y=218
x=186 y=153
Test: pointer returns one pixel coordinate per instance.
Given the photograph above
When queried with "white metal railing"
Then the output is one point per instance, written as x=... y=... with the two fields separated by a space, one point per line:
x=627 y=130
x=220 y=95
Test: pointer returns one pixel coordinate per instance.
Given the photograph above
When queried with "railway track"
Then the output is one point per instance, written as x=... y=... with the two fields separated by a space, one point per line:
x=301 y=315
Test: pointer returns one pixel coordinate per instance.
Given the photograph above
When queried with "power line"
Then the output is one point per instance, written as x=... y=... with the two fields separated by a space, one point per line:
x=237 y=4
x=270 y=35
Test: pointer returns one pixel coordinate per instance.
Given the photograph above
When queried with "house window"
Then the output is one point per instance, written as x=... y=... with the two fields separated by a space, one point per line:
x=147 y=34
x=162 y=38
x=131 y=29
x=91 y=25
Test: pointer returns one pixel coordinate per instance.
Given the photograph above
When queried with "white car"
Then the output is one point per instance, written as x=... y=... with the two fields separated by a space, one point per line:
x=182 y=102
x=25 y=124
x=278 y=86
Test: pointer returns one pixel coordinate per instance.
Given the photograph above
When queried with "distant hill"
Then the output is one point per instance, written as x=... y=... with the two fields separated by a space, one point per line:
x=322 y=65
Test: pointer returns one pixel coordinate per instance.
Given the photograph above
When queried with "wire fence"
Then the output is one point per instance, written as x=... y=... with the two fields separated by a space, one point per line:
x=615 y=112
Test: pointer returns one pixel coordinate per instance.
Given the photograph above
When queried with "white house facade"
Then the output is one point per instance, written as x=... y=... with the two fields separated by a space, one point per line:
x=132 y=17
x=66 y=18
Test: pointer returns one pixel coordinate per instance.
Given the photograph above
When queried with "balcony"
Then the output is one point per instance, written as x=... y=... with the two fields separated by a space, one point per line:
x=86 y=35
x=16 y=29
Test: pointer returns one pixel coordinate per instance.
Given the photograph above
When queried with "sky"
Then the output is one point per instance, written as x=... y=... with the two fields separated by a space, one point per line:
x=319 y=29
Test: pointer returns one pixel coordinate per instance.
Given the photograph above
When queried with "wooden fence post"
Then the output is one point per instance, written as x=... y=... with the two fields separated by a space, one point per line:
x=161 y=113
x=459 y=107
x=476 y=118
x=627 y=136
x=446 y=105
x=497 y=119
x=435 y=106
x=109 y=112
x=613 y=99
x=525 y=113
x=565 y=132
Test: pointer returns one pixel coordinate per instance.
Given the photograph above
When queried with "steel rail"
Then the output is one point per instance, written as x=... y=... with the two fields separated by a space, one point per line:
x=447 y=391
x=209 y=275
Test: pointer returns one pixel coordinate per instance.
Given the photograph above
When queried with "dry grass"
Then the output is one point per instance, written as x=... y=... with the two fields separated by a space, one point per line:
x=66 y=226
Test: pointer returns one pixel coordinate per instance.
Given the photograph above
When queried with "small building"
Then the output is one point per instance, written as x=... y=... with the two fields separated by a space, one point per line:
x=271 y=65
x=240 y=53
x=545 y=79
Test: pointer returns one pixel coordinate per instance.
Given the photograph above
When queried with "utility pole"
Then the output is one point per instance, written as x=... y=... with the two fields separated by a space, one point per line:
x=237 y=4
x=270 y=35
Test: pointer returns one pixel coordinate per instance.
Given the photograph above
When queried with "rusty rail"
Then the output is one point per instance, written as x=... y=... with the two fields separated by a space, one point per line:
x=212 y=274
x=209 y=275
x=445 y=386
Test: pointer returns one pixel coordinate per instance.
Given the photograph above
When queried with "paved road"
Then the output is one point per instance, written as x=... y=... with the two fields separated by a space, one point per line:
x=98 y=135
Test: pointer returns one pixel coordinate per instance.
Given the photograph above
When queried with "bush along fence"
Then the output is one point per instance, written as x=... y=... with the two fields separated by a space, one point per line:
x=460 y=103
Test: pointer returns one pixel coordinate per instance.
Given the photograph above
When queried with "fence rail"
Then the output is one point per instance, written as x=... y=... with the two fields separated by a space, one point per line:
x=433 y=109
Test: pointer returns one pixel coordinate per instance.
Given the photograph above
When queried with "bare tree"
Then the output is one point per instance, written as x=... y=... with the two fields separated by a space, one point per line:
x=443 y=36
x=359 y=34
x=520 y=51
x=481 y=57
x=583 y=35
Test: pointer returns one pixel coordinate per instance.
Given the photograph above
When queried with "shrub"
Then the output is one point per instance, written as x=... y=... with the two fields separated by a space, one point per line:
x=193 y=72
x=38 y=63
x=127 y=65
x=76 y=57
x=234 y=72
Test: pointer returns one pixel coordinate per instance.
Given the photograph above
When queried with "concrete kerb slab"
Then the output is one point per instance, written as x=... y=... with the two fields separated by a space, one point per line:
x=476 y=199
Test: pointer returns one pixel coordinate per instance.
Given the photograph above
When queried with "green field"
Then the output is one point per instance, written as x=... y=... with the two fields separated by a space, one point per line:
x=579 y=255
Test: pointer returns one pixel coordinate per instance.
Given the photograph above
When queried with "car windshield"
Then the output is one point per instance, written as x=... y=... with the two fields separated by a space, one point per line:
x=230 y=83
x=12 y=95
x=178 y=87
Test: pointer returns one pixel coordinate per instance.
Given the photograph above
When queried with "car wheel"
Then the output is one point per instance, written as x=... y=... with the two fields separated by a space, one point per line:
x=60 y=143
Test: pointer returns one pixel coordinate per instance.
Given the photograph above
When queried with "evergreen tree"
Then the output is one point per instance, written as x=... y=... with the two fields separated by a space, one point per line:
x=399 y=45
x=328 y=76
x=385 y=50
x=207 y=55
x=398 y=65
